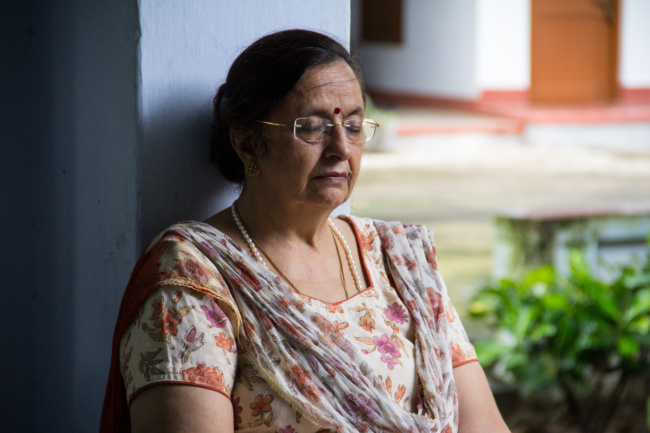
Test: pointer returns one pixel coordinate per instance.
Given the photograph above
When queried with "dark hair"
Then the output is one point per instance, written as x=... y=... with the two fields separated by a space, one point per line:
x=261 y=78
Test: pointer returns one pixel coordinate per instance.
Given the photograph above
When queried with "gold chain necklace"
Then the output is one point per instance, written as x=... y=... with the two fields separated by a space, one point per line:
x=338 y=254
x=256 y=249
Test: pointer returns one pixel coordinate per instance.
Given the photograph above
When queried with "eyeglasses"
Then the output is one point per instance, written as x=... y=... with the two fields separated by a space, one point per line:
x=315 y=129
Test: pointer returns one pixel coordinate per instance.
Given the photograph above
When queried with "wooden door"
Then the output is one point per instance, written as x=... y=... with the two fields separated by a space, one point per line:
x=574 y=50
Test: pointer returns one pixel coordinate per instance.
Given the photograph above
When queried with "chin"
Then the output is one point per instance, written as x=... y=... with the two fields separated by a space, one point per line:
x=329 y=201
x=329 y=198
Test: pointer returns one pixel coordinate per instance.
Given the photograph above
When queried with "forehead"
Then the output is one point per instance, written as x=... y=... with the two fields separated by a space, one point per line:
x=327 y=87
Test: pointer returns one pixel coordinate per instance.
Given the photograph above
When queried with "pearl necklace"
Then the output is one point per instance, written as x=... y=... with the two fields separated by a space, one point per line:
x=335 y=231
x=348 y=254
x=248 y=239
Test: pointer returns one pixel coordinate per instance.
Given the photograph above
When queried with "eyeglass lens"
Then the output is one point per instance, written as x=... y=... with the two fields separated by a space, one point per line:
x=315 y=129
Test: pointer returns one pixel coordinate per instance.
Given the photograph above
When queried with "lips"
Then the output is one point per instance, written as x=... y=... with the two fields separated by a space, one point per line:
x=335 y=175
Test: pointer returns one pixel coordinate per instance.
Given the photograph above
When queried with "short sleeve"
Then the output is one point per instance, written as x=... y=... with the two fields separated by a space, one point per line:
x=179 y=336
x=462 y=349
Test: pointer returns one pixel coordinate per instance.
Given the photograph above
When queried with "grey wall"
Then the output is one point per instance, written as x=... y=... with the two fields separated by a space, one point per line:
x=104 y=121
x=69 y=182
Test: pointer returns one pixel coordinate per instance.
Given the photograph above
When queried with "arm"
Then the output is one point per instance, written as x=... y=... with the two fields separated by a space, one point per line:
x=179 y=379
x=478 y=412
x=170 y=408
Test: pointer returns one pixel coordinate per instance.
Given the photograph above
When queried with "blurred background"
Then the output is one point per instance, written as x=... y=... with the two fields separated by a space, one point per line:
x=519 y=132
x=534 y=109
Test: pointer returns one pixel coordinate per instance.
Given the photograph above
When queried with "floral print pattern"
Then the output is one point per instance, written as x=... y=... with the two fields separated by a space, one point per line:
x=186 y=348
x=396 y=312
x=261 y=406
x=199 y=341
x=166 y=320
x=203 y=375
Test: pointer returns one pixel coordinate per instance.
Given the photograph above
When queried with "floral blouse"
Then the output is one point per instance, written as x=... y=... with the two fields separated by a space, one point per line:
x=183 y=336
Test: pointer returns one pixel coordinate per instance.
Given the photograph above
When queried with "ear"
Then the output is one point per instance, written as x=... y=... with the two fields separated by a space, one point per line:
x=242 y=142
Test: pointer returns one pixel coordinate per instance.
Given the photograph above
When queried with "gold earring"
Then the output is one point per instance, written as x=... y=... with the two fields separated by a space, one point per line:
x=252 y=169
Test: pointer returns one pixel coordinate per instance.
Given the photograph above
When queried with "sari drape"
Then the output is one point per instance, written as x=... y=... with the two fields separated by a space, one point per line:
x=297 y=351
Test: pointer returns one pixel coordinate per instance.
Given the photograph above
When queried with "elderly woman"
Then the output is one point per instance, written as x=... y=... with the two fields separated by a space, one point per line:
x=271 y=316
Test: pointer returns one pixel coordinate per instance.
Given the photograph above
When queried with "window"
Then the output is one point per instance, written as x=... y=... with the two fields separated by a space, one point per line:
x=381 y=21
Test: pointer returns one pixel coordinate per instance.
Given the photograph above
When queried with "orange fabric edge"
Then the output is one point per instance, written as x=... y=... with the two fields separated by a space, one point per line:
x=466 y=361
x=173 y=382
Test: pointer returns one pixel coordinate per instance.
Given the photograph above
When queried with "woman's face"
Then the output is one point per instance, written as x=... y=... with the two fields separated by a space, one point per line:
x=316 y=174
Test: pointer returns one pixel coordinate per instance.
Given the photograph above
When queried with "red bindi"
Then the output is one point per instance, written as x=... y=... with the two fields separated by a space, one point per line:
x=337 y=110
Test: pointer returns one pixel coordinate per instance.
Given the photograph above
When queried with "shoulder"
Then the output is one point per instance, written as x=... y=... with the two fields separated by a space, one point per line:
x=182 y=255
x=224 y=223
x=390 y=229
x=369 y=225
x=186 y=232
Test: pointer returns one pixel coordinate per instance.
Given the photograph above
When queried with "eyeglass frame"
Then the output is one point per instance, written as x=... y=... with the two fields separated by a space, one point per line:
x=331 y=125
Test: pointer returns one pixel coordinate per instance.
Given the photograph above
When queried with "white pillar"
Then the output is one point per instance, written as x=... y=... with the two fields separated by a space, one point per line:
x=105 y=141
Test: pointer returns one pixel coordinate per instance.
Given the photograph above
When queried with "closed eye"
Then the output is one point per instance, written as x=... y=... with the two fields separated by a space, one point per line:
x=354 y=127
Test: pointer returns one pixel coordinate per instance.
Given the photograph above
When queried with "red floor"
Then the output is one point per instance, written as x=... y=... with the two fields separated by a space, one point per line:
x=619 y=112
x=510 y=116
x=504 y=126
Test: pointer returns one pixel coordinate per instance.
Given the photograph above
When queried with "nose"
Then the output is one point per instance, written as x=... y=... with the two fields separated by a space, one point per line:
x=338 y=144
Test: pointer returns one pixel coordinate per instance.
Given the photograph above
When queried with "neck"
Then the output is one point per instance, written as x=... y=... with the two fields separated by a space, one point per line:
x=271 y=223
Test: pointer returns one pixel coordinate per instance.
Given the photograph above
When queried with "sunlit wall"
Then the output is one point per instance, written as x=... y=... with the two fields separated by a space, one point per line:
x=459 y=48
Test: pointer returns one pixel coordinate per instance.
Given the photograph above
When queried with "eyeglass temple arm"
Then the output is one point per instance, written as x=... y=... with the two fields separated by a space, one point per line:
x=274 y=124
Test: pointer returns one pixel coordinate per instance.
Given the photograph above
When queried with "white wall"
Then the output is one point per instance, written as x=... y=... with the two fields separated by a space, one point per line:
x=503 y=44
x=186 y=50
x=503 y=41
x=437 y=56
x=458 y=49
x=105 y=140
x=634 y=55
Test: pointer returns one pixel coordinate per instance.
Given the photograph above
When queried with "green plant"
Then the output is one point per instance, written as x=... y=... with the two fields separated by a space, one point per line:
x=572 y=336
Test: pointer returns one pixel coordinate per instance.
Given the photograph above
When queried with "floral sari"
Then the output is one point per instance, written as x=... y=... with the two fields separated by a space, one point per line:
x=297 y=351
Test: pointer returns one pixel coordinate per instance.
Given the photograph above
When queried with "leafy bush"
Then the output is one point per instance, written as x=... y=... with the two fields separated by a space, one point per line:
x=569 y=336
